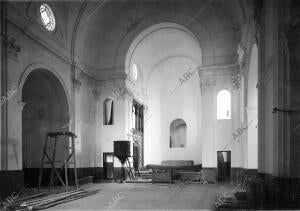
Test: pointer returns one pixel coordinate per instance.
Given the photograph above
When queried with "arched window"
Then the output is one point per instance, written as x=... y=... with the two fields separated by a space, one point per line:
x=134 y=72
x=178 y=134
x=108 y=112
x=224 y=105
x=47 y=17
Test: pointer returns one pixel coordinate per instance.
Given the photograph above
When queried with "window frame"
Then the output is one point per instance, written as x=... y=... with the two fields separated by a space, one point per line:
x=134 y=72
x=228 y=108
x=106 y=121
x=53 y=19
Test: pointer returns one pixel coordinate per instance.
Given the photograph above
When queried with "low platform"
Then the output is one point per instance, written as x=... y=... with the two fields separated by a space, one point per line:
x=172 y=170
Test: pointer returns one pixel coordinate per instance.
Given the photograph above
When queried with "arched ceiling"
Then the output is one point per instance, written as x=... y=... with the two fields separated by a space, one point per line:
x=106 y=30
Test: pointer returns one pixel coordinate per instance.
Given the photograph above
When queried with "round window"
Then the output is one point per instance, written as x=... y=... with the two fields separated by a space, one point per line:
x=47 y=17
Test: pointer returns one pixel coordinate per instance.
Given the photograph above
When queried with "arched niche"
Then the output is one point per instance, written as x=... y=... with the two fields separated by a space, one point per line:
x=108 y=112
x=46 y=109
x=178 y=130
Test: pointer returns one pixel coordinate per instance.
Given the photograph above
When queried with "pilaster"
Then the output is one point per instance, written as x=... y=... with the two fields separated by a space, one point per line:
x=212 y=80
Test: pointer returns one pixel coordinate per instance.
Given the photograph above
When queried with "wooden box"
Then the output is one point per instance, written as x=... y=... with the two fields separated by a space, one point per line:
x=162 y=177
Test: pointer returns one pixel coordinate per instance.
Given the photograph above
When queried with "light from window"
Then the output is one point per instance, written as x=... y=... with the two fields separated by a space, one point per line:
x=224 y=105
x=134 y=72
x=47 y=17
x=178 y=134
x=108 y=112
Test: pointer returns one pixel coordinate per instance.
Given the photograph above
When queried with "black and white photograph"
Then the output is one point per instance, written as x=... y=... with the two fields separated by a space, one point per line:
x=149 y=105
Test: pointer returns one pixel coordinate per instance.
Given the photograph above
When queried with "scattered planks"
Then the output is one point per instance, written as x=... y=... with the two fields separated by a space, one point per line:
x=42 y=201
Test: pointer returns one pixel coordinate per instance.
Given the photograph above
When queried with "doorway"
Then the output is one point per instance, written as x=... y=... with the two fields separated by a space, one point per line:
x=108 y=165
x=224 y=165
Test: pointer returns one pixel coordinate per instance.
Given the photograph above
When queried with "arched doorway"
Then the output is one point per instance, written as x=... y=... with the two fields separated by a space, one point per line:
x=252 y=105
x=46 y=109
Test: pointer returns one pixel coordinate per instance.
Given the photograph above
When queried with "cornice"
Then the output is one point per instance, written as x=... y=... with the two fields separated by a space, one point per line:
x=48 y=47
x=217 y=70
x=41 y=43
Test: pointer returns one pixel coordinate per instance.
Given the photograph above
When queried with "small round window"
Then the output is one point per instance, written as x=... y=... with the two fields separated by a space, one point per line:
x=134 y=72
x=47 y=17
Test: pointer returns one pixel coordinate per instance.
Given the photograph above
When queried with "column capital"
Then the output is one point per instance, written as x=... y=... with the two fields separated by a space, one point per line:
x=21 y=105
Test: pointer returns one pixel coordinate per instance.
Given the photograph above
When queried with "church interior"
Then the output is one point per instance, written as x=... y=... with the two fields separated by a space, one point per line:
x=150 y=104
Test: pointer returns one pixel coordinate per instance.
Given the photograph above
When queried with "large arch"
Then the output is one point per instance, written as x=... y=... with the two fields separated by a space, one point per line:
x=168 y=54
x=46 y=109
x=218 y=45
x=152 y=29
x=38 y=65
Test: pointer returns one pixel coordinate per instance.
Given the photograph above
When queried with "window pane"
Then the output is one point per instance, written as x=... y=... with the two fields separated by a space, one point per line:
x=47 y=17
x=108 y=107
x=224 y=105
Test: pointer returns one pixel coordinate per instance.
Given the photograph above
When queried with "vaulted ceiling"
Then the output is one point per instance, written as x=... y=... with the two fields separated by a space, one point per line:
x=99 y=33
x=107 y=28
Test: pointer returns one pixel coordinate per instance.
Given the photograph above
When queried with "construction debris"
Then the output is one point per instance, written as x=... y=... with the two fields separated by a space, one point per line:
x=43 y=201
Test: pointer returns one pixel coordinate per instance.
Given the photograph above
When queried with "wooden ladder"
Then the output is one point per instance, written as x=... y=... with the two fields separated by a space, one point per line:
x=130 y=169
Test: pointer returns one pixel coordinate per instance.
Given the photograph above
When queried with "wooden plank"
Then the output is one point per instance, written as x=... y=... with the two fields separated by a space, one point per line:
x=46 y=206
x=54 y=198
x=19 y=200
x=53 y=195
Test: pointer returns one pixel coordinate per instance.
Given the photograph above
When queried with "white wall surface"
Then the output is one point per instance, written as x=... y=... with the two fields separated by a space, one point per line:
x=164 y=55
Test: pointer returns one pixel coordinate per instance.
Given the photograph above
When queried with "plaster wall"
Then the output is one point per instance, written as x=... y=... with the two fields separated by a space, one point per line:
x=164 y=53
x=218 y=134
x=169 y=100
x=40 y=49
x=107 y=134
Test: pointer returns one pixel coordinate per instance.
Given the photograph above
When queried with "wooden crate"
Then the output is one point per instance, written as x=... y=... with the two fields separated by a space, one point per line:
x=162 y=177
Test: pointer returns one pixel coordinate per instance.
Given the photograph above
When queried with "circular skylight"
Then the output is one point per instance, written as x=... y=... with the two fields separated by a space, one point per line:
x=134 y=72
x=47 y=17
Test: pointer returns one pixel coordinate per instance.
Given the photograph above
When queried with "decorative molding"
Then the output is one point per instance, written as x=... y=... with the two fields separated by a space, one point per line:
x=209 y=75
x=77 y=84
x=242 y=52
x=34 y=17
x=257 y=18
x=216 y=68
x=208 y=84
x=236 y=80
x=96 y=92
x=135 y=136
x=12 y=48
x=21 y=105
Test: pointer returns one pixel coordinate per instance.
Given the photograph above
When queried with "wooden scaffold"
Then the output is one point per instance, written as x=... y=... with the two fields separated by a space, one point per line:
x=48 y=158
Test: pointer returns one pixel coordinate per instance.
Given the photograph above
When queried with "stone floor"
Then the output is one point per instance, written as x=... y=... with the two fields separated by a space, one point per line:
x=113 y=196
